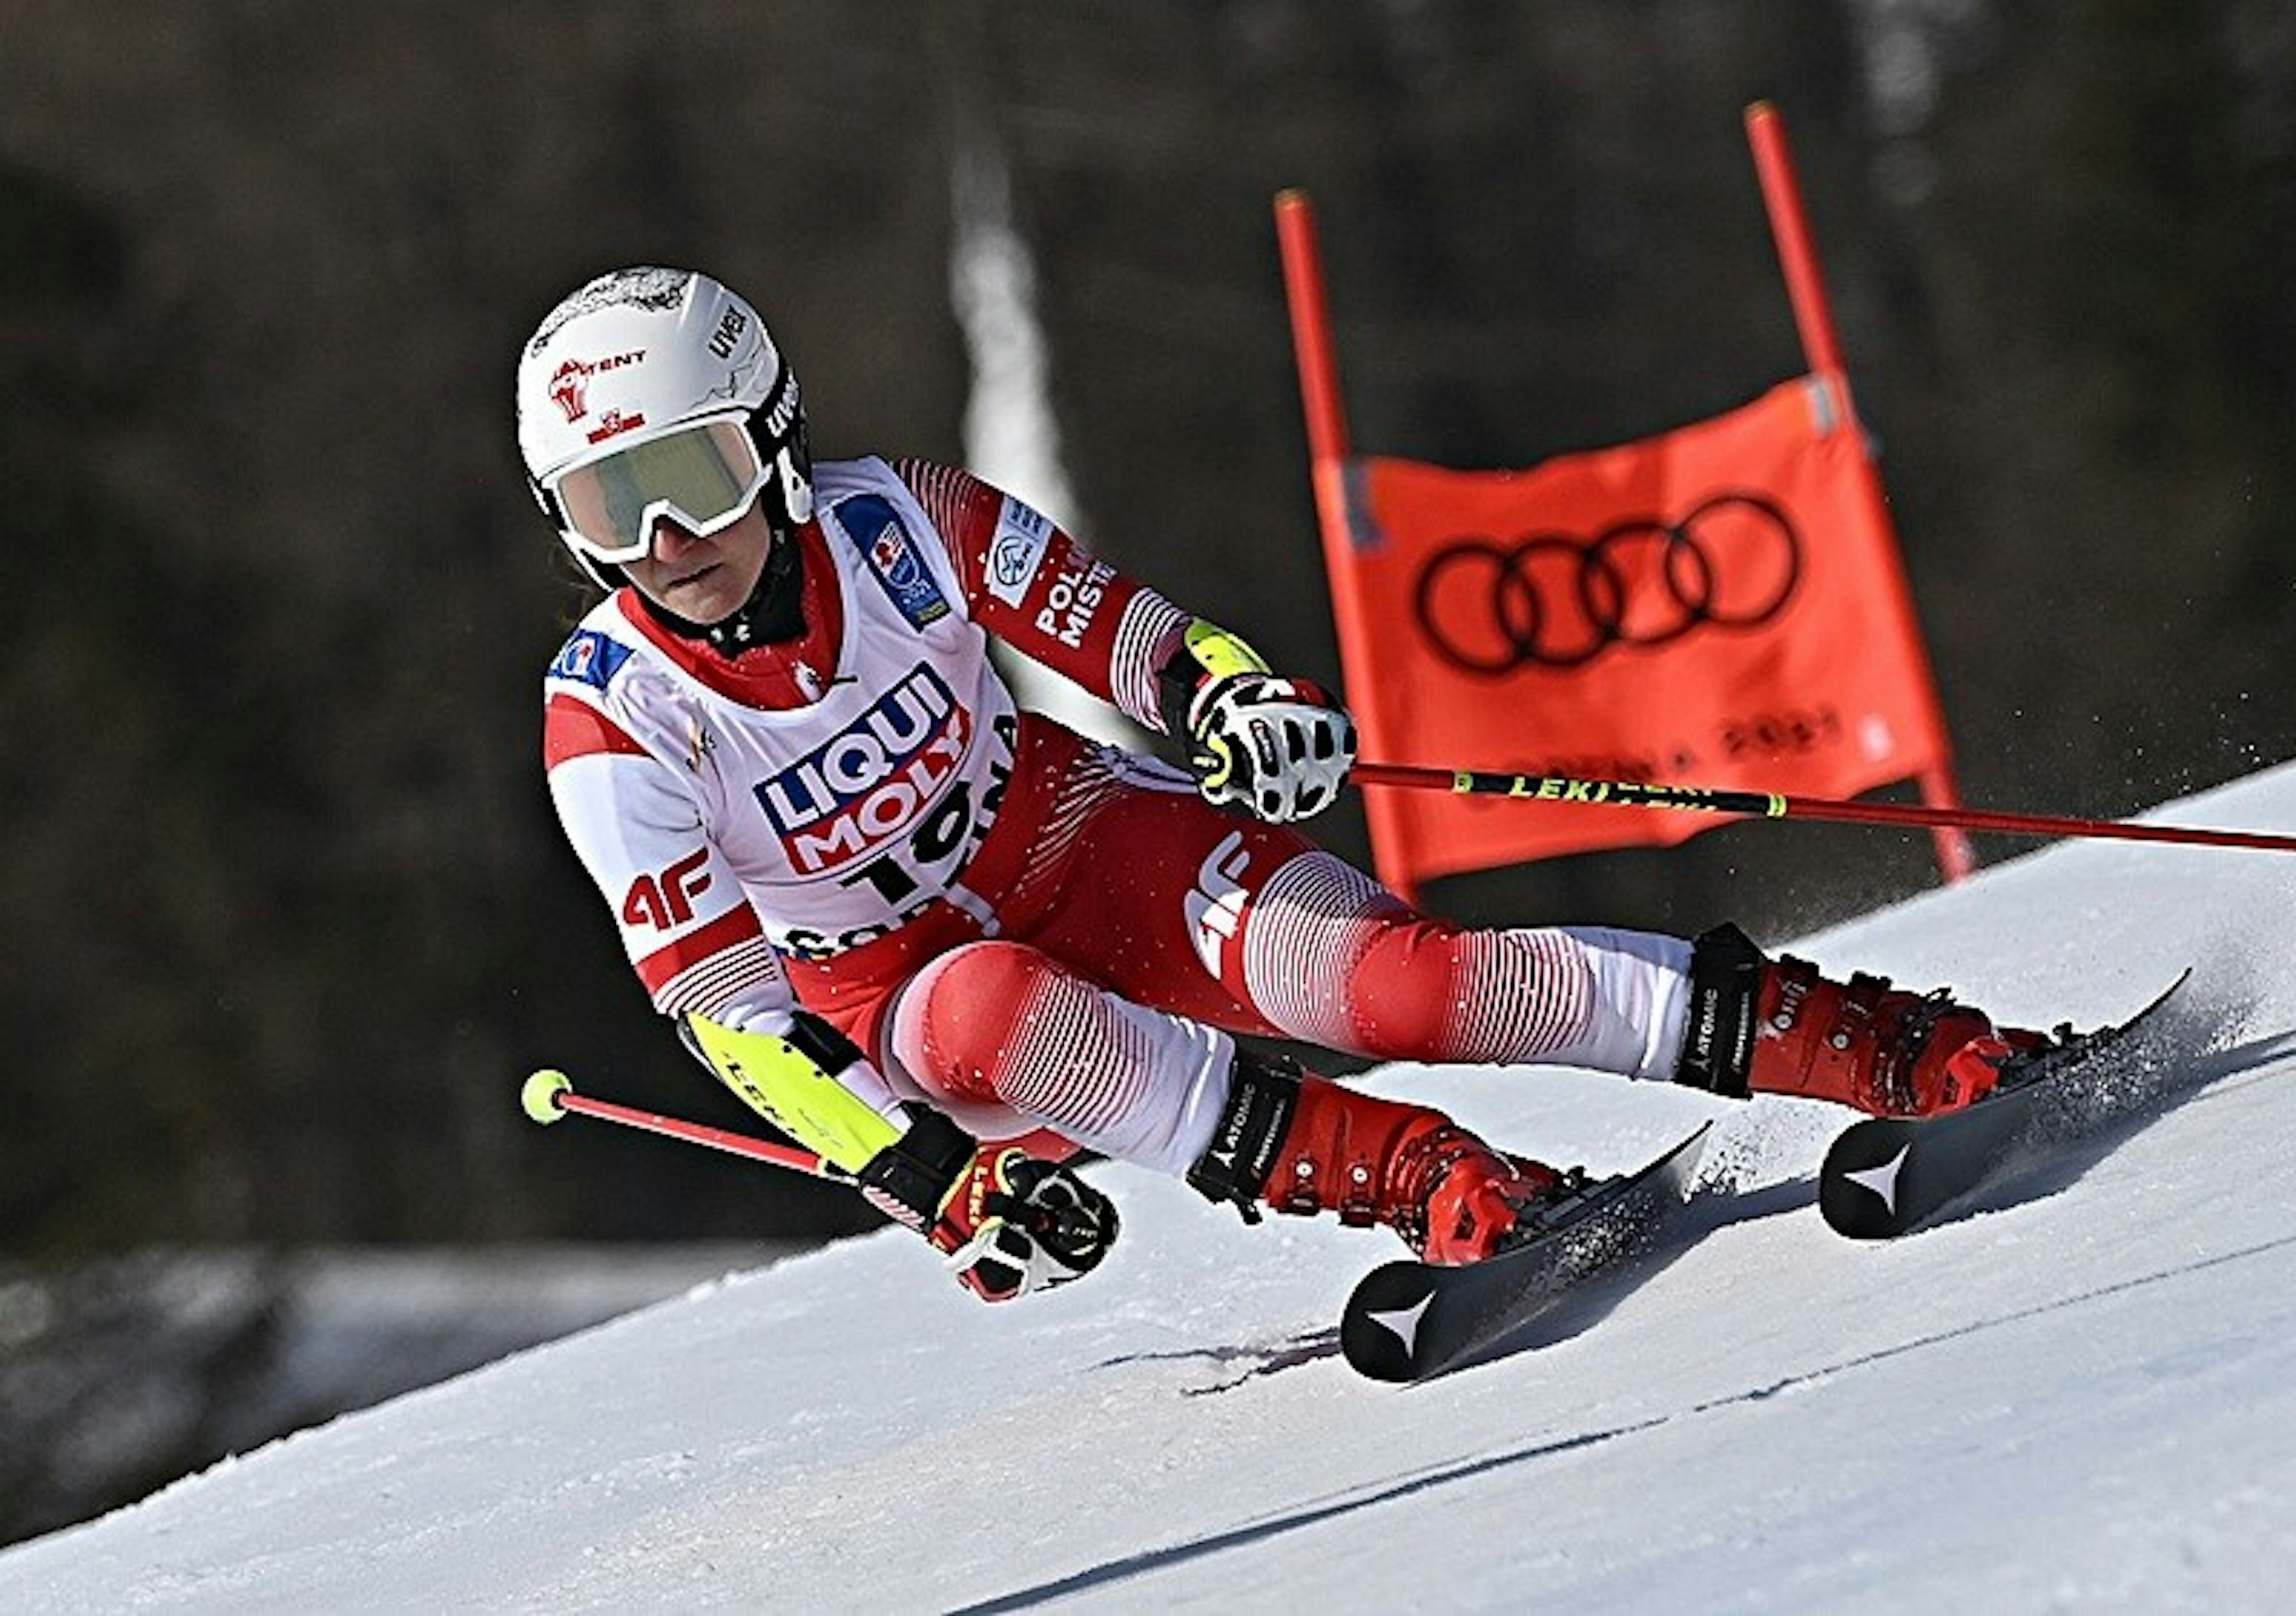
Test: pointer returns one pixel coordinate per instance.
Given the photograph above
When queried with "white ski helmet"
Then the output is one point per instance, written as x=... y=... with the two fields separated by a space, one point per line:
x=658 y=392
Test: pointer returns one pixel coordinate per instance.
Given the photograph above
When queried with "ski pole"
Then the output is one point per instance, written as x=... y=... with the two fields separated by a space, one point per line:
x=1774 y=805
x=548 y=1095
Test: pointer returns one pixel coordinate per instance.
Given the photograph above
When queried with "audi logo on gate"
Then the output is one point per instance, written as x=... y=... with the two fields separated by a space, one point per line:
x=1559 y=601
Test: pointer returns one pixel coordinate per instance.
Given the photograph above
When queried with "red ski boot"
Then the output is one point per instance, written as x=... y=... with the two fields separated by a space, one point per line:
x=1778 y=1027
x=1305 y=1144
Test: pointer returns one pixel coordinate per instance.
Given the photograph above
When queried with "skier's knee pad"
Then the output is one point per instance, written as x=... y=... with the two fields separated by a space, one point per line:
x=1431 y=991
x=958 y=1018
x=1402 y=994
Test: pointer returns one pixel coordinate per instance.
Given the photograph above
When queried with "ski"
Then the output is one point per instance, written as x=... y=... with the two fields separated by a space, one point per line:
x=1887 y=1175
x=1406 y=1321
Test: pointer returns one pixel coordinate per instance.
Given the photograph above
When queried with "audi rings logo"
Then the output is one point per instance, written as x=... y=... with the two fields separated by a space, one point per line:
x=1558 y=601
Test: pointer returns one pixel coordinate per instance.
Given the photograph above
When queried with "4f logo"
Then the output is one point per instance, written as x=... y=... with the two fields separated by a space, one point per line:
x=1215 y=905
x=666 y=901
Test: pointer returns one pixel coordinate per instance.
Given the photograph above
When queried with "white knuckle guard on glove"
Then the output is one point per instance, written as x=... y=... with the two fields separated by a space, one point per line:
x=1044 y=1227
x=1280 y=748
x=1008 y=1222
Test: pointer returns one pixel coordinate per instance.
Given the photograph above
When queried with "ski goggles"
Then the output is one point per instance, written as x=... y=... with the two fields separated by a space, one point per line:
x=703 y=477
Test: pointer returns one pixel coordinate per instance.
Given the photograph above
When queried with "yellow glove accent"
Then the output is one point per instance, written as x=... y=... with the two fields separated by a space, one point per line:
x=788 y=1088
x=1220 y=654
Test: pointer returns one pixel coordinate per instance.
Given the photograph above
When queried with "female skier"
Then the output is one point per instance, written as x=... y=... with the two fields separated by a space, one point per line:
x=913 y=924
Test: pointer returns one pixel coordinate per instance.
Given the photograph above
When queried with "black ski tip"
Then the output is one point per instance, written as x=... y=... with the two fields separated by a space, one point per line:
x=1408 y=1321
x=1886 y=1175
x=1859 y=1188
x=1378 y=1332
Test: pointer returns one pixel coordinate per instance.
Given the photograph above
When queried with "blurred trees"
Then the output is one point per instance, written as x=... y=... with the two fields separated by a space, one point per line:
x=289 y=917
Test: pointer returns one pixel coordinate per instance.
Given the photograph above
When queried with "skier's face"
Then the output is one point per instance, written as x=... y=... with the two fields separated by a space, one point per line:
x=703 y=581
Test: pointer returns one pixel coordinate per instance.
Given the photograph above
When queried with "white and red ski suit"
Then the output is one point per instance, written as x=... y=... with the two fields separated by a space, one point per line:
x=1021 y=928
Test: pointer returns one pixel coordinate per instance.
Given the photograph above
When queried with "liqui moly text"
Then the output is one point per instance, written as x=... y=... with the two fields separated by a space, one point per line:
x=872 y=782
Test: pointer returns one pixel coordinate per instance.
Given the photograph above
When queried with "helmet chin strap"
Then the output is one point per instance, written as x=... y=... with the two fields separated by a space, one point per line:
x=773 y=612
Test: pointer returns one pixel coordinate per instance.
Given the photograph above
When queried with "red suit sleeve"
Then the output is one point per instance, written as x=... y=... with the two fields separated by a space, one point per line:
x=1033 y=587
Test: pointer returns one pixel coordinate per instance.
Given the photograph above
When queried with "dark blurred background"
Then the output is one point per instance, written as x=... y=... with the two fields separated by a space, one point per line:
x=289 y=915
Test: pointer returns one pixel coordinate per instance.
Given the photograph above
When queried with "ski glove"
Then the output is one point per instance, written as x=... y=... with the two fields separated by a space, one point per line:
x=1280 y=748
x=1009 y=1224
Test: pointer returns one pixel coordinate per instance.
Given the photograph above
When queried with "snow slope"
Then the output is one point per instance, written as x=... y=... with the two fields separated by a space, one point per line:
x=2082 y=1394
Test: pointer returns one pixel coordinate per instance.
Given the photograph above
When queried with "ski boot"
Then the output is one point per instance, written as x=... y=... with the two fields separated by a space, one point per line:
x=1304 y=1145
x=1777 y=1027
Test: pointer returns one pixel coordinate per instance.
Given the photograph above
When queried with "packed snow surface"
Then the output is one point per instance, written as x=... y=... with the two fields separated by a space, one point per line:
x=2082 y=1392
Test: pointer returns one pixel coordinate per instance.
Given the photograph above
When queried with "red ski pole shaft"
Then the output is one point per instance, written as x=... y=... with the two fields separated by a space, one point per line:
x=549 y=1096
x=1773 y=805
